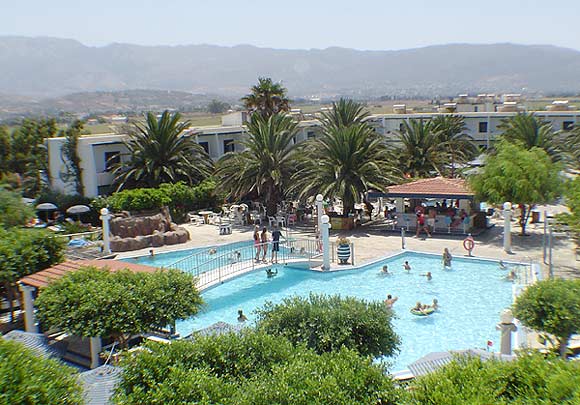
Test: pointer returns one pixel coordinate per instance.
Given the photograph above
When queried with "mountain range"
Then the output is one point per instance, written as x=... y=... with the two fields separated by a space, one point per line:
x=51 y=67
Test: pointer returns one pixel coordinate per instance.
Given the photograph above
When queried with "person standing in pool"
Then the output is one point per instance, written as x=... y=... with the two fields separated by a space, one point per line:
x=428 y=275
x=390 y=301
x=407 y=266
x=447 y=258
x=241 y=317
x=276 y=234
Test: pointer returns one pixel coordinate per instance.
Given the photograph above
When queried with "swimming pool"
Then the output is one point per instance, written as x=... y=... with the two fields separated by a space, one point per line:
x=471 y=296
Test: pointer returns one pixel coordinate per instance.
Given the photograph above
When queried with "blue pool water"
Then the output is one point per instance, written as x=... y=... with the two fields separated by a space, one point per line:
x=471 y=296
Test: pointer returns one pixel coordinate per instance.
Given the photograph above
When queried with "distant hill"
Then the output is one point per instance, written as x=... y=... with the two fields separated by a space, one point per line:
x=49 y=67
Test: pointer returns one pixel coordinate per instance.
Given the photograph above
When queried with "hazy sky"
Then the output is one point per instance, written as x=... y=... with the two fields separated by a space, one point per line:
x=361 y=24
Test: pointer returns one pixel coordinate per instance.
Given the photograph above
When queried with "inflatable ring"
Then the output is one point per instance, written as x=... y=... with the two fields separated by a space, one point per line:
x=468 y=243
x=425 y=312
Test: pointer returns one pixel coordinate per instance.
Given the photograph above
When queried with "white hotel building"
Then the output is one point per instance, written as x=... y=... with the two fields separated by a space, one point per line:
x=483 y=114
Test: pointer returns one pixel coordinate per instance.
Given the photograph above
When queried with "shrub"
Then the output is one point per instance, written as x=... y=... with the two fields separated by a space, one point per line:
x=24 y=252
x=139 y=199
x=249 y=368
x=531 y=379
x=117 y=304
x=551 y=306
x=27 y=378
x=13 y=212
x=328 y=323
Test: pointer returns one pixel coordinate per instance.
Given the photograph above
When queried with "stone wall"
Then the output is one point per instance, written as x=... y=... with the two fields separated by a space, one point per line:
x=142 y=231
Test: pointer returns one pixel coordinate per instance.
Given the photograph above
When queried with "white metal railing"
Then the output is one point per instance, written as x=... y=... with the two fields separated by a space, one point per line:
x=217 y=264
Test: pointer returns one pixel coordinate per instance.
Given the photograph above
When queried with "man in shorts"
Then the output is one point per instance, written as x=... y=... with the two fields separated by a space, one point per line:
x=276 y=234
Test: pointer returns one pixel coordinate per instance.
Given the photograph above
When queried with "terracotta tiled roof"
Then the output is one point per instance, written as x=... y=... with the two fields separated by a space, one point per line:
x=435 y=187
x=44 y=277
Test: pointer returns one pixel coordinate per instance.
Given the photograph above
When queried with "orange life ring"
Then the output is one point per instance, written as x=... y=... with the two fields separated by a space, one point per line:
x=468 y=243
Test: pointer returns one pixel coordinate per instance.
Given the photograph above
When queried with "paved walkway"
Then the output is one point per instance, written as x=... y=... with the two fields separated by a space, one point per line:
x=373 y=241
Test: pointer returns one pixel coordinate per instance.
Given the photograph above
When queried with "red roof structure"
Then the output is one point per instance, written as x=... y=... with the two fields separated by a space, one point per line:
x=44 y=277
x=437 y=187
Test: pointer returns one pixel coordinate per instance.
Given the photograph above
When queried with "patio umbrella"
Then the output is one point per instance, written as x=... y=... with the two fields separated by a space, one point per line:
x=46 y=208
x=78 y=210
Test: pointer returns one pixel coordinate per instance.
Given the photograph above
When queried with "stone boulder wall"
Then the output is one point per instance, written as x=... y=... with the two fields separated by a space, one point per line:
x=139 y=232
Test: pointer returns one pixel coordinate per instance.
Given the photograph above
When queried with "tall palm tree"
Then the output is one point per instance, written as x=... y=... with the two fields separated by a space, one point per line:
x=159 y=152
x=345 y=162
x=531 y=131
x=266 y=164
x=419 y=150
x=344 y=114
x=571 y=144
x=267 y=98
x=455 y=143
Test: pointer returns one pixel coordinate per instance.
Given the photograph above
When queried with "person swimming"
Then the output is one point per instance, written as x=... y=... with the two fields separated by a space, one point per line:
x=512 y=276
x=390 y=301
x=502 y=265
x=212 y=251
x=270 y=273
x=407 y=266
x=385 y=270
x=151 y=253
x=241 y=316
x=435 y=304
x=428 y=275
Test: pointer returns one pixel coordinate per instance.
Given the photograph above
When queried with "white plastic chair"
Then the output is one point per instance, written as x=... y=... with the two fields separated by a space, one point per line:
x=281 y=221
x=271 y=221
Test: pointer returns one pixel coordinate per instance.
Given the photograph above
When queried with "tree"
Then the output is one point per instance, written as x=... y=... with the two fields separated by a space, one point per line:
x=159 y=152
x=267 y=98
x=551 y=306
x=27 y=378
x=420 y=151
x=13 y=212
x=571 y=144
x=249 y=368
x=518 y=175
x=328 y=323
x=345 y=113
x=217 y=107
x=572 y=219
x=29 y=156
x=267 y=162
x=24 y=252
x=5 y=150
x=70 y=155
x=530 y=131
x=117 y=304
x=458 y=147
x=344 y=162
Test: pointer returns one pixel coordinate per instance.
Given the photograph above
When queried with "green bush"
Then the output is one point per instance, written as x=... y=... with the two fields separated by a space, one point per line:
x=117 y=304
x=328 y=323
x=531 y=379
x=179 y=197
x=249 y=368
x=27 y=378
x=13 y=212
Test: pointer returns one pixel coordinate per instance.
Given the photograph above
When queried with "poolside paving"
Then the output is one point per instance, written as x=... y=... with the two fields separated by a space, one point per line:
x=374 y=241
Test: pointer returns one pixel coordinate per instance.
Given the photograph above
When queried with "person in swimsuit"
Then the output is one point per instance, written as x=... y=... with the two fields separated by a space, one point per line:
x=264 y=240
x=390 y=301
x=257 y=242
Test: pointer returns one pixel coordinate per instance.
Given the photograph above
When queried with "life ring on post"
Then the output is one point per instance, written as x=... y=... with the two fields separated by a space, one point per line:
x=468 y=243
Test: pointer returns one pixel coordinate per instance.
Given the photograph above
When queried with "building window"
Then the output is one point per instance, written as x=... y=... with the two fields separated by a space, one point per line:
x=401 y=127
x=483 y=126
x=228 y=145
x=311 y=134
x=475 y=108
x=568 y=125
x=205 y=146
x=111 y=160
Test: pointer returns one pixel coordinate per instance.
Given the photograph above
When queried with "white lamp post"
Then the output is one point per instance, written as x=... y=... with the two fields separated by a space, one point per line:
x=325 y=242
x=319 y=211
x=507 y=232
x=105 y=217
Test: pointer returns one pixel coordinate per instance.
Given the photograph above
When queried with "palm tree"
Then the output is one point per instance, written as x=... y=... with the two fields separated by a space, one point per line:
x=572 y=146
x=159 y=152
x=266 y=164
x=456 y=144
x=267 y=98
x=531 y=132
x=345 y=162
x=344 y=114
x=420 y=152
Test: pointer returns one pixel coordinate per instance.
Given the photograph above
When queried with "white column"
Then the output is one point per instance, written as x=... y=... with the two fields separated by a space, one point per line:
x=506 y=327
x=507 y=232
x=29 y=317
x=95 y=350
x=105 y=217
x=319 y=211
x=400 y=204
x=325 y=242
